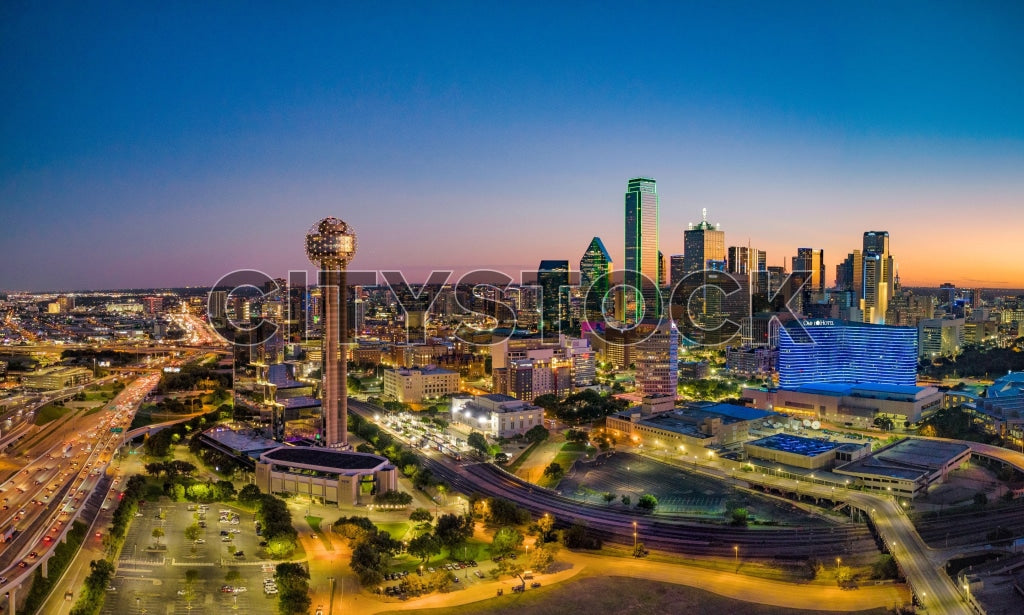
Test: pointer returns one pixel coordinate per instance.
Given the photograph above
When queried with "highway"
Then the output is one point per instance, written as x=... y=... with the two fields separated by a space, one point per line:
x=42 y=499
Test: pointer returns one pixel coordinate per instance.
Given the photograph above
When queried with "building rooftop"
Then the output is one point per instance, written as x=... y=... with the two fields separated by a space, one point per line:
x=671 y=421
x=910 y=459
x=499 y=397
x=808 y=447
x=1010 y=385
x=301 y=401
x=244 y=442
x=323 y=457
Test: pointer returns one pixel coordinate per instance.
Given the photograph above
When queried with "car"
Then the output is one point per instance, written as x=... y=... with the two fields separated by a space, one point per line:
x=239 y=554
x=430 y=569
x=182 y=592
x=270 y=590
x=239 y=590
x=224 y=533
x=200 y=541
x=535 y=584
x=320 y=610
x=226 y=589
x=22 y=564
x=47 y=538
x=33 y=555
x=478 y=574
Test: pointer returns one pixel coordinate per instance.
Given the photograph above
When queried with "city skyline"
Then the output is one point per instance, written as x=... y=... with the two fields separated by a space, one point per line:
x=206 y=148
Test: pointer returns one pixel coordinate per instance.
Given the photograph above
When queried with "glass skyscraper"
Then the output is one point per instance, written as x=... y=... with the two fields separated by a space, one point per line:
x=552 y=275
x=641 y=247
x=595 y=267
x=825 y=350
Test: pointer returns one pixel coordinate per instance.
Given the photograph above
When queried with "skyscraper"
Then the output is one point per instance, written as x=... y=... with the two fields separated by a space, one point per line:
x=703 y=242
x=330 y=245
x=811 y=260
x=877 y=277
x=552 y=275
x=641 y=247
x=595 y=270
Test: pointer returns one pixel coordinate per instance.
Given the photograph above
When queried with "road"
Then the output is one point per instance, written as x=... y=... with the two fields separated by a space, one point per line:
x=42 y=499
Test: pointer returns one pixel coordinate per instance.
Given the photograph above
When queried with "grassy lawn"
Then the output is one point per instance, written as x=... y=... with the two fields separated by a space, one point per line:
x=514 y=466
x=50 y=412
x=314 y=523
x=570 y=452
x=617 y=596
x=398 y=529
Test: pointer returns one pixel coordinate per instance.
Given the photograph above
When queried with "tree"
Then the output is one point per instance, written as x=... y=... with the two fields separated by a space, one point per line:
x=625 y=500
x=579 y=537
x=739 y=517
x=478 y=442
x=546 y=527
x=647 y=502
x=543 y=557
x=505 y=512
x=392 y=498
x=425 y=546
x=158 y=533
x=554 y=471
x=249 y=494
x=193 y=532
x=576 y=435
x=421 y=515
x=452 y=530
x=537 y=433
x=506 y=540
x=609 y=497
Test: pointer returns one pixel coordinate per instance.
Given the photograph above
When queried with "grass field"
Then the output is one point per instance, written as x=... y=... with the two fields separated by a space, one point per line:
x=570 y=452
x=398 y=530
x=618 y=596
x=50 y=412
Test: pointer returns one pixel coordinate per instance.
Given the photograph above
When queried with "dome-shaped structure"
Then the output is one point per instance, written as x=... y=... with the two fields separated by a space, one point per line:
x=330 y=244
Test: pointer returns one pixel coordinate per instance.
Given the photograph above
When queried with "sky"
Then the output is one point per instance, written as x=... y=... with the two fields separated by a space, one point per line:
x=167 y=144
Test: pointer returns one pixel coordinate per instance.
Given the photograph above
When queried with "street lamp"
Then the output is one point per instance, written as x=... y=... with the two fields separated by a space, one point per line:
x=837 y=566
x=634 y=538
x=736 y=550
x=330 y=607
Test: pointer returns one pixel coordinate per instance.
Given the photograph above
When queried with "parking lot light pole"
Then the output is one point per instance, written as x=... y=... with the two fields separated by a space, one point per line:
x=330 y=607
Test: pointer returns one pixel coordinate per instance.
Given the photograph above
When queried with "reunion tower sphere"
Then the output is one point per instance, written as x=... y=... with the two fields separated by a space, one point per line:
x=330 y=244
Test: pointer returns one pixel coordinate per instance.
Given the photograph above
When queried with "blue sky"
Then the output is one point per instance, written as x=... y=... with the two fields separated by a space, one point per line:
x=167 y=145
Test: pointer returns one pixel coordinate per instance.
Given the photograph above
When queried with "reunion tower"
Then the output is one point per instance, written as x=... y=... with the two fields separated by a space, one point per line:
x=330 y=245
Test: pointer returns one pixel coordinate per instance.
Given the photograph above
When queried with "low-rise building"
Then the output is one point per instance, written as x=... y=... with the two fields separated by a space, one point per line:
x=337 y=477
x=52 y=378
x=691 y=428
x=496 y=415
x=853 y=405
x=906 y=468
x=807 y=453
x=419 y=383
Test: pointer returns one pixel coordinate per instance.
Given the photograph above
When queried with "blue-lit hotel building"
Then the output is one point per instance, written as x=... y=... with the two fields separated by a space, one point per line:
x=837 y=351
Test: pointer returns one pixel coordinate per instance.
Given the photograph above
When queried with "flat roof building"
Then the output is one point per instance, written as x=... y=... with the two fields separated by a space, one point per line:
x=52 y=378
x=419 y=383
x=906 y=468
x=496 y=415
x=677 y=430
x=340 y=477
x=853 y=405
x=808 y=453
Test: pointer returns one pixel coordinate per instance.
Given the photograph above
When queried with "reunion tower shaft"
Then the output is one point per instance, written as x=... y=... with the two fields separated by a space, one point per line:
x=330 y=245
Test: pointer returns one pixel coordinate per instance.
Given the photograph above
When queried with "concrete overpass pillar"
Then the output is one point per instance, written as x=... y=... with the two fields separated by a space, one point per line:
x=44 y=566
x=11 y=601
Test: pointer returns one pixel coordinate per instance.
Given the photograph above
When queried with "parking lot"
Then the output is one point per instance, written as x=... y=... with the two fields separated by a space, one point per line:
x=151 y=573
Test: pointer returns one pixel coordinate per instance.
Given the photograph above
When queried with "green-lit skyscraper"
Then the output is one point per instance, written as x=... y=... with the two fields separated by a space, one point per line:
x=595 y=267
x=641 y=247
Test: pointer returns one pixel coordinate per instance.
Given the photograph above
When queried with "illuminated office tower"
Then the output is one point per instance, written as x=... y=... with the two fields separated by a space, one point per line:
x=877 y=277
x=812 y=261
x=595 y=275
x=330 y=245
x=641 y=248
x=552 y=275
x=703 y=242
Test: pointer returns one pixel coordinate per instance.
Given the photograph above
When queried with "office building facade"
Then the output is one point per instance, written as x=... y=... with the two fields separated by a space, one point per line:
x=641 y=248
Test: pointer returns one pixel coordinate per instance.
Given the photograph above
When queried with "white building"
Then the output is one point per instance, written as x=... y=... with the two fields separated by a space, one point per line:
x=496 y=415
